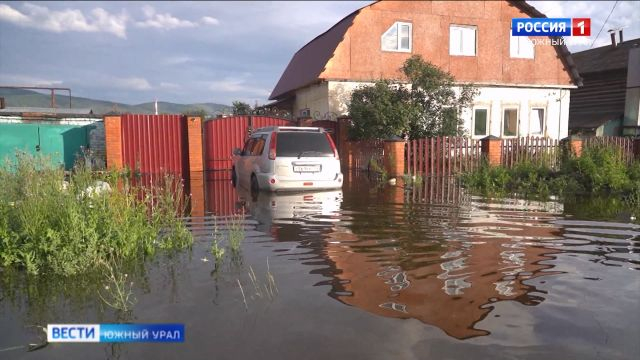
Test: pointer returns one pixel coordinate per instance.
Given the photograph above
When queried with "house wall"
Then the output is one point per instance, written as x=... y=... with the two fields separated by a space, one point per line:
x=359 y=55
x=314 y=98
x=495 y=98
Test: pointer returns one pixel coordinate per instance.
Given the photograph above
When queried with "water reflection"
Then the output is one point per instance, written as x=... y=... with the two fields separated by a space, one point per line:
x=517 y=275
x=430 y=252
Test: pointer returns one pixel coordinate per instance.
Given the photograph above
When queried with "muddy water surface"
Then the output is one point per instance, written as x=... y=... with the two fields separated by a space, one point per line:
x=369 y=272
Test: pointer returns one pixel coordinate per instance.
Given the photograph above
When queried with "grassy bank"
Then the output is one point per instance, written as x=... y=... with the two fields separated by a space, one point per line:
x=49 y=224
x=598 y=171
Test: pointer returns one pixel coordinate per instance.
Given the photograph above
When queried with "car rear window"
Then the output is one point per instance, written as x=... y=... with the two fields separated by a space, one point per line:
x=303 y=145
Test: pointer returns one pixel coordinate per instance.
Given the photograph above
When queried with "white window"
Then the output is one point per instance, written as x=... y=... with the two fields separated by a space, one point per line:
x=397 y=37
x=521 y=47
x=536 y=121
x=480 y=122
x=510 y=122
x=462 y=40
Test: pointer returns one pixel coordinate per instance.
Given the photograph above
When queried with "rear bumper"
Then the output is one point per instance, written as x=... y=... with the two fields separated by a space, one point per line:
x=266 y=183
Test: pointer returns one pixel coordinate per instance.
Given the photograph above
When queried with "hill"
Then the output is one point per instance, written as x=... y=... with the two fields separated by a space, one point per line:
x=22 y=97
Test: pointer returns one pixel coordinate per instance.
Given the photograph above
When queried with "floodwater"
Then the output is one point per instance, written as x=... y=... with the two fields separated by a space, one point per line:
x=368 y=272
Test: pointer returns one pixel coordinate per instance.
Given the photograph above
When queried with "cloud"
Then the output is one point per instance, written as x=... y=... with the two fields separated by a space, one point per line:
x=236 y=85
x=177 y=60
x=208 y=20
x=43 y=18
x=130 y=83
x=169 y=86
x=162 y=21
x=26 y=80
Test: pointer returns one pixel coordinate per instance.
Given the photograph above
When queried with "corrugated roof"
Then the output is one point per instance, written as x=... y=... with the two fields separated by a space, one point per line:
x=52 y=111
x=309 y=62
x=605 y=58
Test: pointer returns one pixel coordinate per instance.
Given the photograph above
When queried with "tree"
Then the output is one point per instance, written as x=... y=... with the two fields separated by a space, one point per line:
x=241 y=108
x=202 y=113
x=381 y=111
x=430 y=105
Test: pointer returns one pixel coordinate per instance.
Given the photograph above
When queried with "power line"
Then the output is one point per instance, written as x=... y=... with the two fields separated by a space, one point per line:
x=605 y=23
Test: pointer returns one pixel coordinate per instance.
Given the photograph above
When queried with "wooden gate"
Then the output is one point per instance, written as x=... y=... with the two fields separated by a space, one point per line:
x=222 y=135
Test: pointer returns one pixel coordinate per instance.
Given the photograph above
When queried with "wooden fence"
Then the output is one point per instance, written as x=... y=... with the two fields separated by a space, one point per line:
x=442 y=156
x=358 y=154
x=623 y=144
x=438 y=190
x=450 y=155
x=531 y=149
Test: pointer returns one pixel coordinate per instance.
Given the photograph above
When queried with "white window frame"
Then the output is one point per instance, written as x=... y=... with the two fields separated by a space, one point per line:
x=460 y=51
x=473 y=121
x=398 y=25
x=544 y=120
x=306 y=112
x=517 y=54
x=517 y=109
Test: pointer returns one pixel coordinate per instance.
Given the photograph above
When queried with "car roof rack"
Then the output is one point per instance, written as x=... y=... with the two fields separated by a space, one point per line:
x=288 y=128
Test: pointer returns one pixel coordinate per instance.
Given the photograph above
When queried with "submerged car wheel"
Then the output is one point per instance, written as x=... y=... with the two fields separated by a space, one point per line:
x=234 y=178
x=255 y=188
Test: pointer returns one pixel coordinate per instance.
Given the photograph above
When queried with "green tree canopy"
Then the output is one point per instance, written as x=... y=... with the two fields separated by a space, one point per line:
x=430 y=105
x=241 y=108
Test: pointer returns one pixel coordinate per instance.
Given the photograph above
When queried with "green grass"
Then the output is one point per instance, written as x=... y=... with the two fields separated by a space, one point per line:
x=236 y=232
x=599 y=170
x=49 y=225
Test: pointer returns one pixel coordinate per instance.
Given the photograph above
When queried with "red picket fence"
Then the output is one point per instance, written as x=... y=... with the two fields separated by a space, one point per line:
x=442 y=156
x=623 y=144
x=532 y=149
x=358 y=154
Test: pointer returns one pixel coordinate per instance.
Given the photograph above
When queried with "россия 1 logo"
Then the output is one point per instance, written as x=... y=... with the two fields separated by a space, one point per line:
x=551 y=27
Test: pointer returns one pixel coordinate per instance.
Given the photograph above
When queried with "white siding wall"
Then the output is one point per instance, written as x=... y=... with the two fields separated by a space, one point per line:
x=333 y=96
x=312 y=97
x=554 y=101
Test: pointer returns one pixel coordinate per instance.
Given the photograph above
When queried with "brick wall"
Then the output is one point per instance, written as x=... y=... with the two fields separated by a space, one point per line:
x=113 y=141
x=194 y=139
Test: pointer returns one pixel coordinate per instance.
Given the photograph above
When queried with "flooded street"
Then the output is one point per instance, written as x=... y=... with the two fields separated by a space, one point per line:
x=368 y=272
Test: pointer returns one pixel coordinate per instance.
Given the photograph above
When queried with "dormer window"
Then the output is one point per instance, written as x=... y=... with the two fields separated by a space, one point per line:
x=397 y=37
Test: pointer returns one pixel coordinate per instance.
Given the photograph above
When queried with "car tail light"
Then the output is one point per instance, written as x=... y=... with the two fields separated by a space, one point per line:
x=333 y=146
x=272 y=146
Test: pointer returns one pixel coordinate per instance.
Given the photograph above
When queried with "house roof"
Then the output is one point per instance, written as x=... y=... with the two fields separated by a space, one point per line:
x=309 y=62
x=605 y=58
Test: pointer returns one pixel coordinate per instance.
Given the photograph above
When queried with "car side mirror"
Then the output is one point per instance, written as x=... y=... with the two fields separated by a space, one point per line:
x=237 y=152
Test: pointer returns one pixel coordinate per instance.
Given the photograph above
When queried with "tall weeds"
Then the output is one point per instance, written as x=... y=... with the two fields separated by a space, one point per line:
x=65 y=226
x=599 y=170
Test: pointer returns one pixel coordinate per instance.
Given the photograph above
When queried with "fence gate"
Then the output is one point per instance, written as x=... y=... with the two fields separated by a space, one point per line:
x=222 y=135
x=155 y=144
x=329 y=126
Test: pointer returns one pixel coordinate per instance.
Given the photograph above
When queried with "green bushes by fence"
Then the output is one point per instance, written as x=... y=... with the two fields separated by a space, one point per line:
x=66 y=227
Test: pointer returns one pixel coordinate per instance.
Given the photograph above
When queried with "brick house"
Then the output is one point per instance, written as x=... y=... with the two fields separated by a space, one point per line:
x=524 y=88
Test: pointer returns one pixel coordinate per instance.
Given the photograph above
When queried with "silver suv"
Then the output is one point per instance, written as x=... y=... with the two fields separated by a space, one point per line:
x=287 y=158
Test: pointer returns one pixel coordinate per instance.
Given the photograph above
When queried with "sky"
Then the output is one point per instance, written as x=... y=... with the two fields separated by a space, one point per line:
x=189 y=52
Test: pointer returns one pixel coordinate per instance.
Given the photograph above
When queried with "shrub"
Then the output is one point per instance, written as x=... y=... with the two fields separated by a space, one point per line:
x=49 y=225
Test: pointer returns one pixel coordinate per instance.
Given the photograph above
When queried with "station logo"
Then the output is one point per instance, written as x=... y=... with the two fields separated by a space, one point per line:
x=551 y=27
